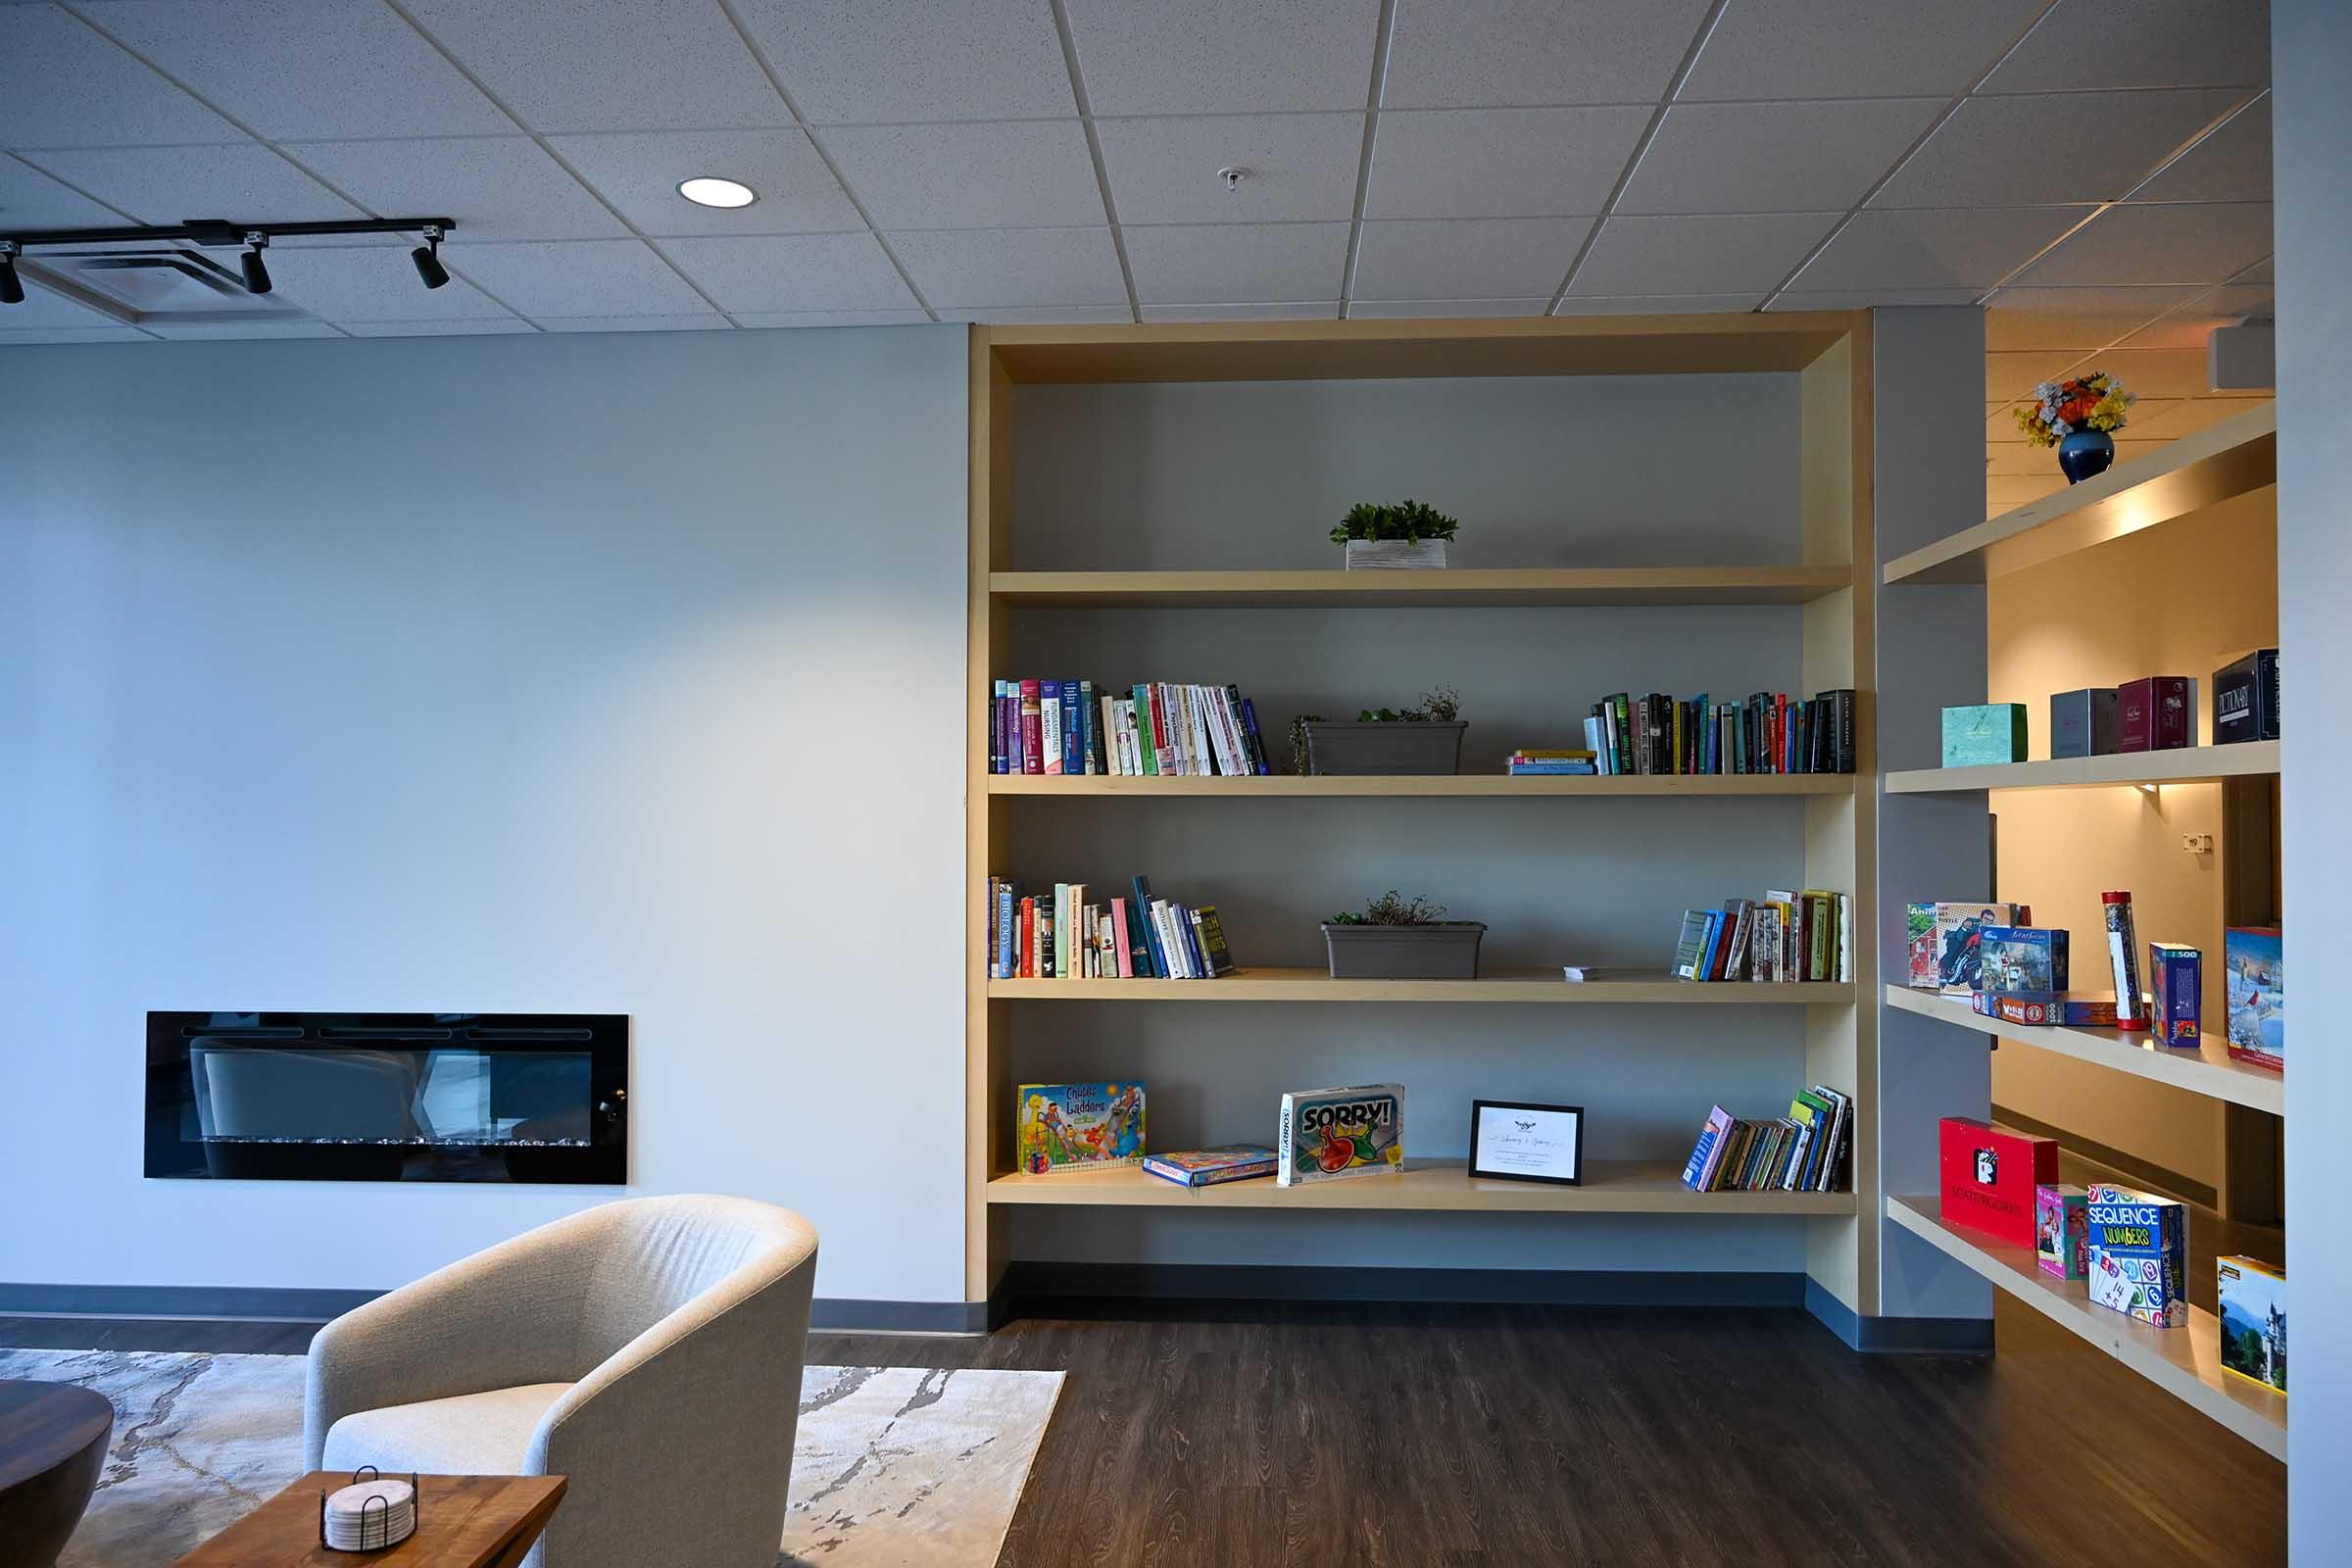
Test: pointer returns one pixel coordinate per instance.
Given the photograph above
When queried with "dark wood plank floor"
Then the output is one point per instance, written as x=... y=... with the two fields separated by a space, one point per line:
x=1449 y=1437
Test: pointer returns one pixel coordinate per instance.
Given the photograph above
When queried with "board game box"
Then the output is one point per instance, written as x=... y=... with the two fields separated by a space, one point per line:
x=2062 y=1230
x=2074 y=1009
x=1326 y=1133
x=1205 y=1167
x=2175 y=985
x=1067 y=1127
x=2139 y=1254
x=1942 y=940
x=2257 y=994
x=1989 y=1177
x=2253 y=1320
x=2021 y=957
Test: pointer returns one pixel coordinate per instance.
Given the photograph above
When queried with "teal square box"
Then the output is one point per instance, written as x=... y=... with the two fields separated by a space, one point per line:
x=1994 y=732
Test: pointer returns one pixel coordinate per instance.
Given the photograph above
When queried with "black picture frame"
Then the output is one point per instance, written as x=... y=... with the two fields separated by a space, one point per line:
x=1576 y=1167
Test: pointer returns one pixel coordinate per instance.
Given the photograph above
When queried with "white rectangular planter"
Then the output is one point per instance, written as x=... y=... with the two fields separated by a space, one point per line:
x=1394 y=555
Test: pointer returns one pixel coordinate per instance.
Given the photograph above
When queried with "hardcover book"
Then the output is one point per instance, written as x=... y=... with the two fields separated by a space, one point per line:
x=2246 y=699
x=2083 y=723
x=2062 y=1231
x=1706 y=1156
x=2022 y=957
x=2256 y=978
x=1989 y=1177
x=2156 y=713
x=1206 y=1167
x=2252 y=1300
x=2139 y=1254
x=1072 y=1127
x=1329 y=1133
x=1982 y=734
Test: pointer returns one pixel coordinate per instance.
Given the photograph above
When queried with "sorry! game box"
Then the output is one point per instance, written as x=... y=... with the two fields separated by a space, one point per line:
x=1341 y=1132
x=1066 y=1127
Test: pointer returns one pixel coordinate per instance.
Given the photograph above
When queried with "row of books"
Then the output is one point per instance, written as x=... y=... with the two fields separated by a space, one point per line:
x=1068 y=935
x=1783 y=936
x=1808 y=1150
x=1771 y=732
x=1157 y=728
x=1536 y=763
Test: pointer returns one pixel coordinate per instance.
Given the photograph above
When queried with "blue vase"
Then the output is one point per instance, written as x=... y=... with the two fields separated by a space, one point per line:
x=2085 y=453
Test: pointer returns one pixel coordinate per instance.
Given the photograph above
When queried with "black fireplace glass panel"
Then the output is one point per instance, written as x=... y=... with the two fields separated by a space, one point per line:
x=388 y=1097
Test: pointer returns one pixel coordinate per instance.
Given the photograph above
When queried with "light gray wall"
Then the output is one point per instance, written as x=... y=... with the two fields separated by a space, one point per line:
x=503 y=674
x=2311 y=57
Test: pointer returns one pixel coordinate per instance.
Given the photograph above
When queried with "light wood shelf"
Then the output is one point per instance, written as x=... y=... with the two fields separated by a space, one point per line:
x=2206 y=1069
x=2185 y=1362
x=2225 y=460
x=1508 y=985
x=2189 y=765
x=1423 y=1185
x=1480 y=786
x=1453 y=588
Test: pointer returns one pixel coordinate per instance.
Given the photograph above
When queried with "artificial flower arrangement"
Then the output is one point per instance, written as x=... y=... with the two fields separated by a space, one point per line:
x=2093 y=402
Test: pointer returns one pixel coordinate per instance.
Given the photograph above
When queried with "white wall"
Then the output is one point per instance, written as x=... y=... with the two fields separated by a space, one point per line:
x=2311 y=54
x=603 y=673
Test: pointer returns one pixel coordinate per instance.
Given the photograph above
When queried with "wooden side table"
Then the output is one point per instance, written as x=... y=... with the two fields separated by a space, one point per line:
x=53 y=1439
x=461 y=1522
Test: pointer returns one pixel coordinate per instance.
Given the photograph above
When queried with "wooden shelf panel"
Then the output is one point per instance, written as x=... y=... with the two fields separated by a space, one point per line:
x=2186 y=1362
x=1508 y=985
x=2191 y=765
x=1447 y=589
x=1627 y=1188
x=1482 y=786
x=2225 y=460
x=2205 y=1070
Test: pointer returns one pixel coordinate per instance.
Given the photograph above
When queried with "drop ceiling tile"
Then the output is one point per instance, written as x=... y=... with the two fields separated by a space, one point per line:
x=485 y=328
x=1467 y=259
x=2083 y=318
x=1032 y=174
x=2153 y=372
x=1298 y=166
x=29 y=338
x=1852 y=48
x=45 y=309
x=1458 y=54
x=705 y=322
x=793 y=271
x=2194 y=323
x=62 y=84
x=1871 y=299
x=2003 y=494
x=2202 y=242
x=774 y=318
x=1287 y=311
x=1772 y=158
x=1047 y=315
x=2011 y=377
x=299 y=69
x=30 y=199
x=897 y=61
x=1748 y=252
x=1200 y=263
x=1500 y=163
x=1974 y=159
x=2171 y=421
x=2158 y=43
x=1412 y=310
x=2262 y=272
x=638 y=172
x=578 y=278
x=497 y=188
x=1899 y=249
x=1660 y=305
x=978 y=267
x=373 y=283
x=1223 y=56
x=2233 y=164
x=214 y=331
x=590 y=64
x=245 y=183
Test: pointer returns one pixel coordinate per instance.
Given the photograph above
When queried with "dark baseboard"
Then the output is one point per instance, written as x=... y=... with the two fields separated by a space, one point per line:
x=846 y=1314
x=2140 y=1172
x=1248 y=1282
x=1899 y=1336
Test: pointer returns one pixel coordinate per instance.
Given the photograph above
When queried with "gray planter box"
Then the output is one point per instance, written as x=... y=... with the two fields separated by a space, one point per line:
x=1353 y=748
x=1445 y=951
x=1394 y=555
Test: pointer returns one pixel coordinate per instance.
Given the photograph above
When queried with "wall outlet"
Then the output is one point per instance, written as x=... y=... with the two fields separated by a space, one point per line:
x=2197 y=843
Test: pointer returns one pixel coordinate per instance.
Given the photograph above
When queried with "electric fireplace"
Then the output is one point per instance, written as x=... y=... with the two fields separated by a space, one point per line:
x=389 y=1096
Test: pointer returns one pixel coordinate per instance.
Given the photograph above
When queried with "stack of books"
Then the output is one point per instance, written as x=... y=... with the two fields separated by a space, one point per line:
x=1070 y=935
x=1154 y=729
x=1783 y=937
x=1807 y=1150
x=1769 y=733
x=1534 y=763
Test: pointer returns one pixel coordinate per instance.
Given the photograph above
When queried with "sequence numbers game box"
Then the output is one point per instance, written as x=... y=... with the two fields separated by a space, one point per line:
x=1066 y=1127
x=1327 y=1133
x=2139 y=1254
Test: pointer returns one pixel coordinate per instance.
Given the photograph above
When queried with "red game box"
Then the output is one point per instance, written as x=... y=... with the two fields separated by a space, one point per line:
x=1989 y=1177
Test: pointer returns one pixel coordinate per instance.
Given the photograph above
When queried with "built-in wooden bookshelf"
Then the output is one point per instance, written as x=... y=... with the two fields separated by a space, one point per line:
x=1830 y=589
x=2189 y=765
x=2185 y=1362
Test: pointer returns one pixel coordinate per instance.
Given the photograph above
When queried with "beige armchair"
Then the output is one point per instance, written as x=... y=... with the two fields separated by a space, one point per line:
x=650 y=1349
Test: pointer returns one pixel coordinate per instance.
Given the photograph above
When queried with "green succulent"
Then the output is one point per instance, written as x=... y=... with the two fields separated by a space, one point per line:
x=1408 y=519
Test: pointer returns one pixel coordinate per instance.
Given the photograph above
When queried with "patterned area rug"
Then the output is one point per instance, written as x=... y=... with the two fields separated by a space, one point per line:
x=894 y=1467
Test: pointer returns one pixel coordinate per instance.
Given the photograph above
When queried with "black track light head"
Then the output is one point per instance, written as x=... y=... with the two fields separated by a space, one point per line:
x=12 y=289
x=256 y=271
x=427 y=257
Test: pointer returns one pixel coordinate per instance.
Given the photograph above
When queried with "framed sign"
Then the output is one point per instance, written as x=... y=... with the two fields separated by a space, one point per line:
x=1512 y=1139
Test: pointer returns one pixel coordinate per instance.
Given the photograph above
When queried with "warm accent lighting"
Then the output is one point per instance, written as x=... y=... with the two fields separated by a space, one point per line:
x=705 y=191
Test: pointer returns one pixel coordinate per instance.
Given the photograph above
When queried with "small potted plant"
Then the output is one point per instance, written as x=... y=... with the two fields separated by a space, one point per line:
x=1422 y=740
x=1392 y=938
x=2079 y=418
x=1409 y=534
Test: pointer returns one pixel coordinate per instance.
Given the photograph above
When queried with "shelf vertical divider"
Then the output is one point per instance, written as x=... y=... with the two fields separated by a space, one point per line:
x=988 y=1052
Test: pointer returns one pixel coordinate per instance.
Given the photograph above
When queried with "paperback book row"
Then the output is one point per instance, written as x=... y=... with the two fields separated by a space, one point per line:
x=1782 y=937
x=1549 y=763
x=1320 y=1134
x=1069 y=935
x=1154 y=729
x=2016 y=973
x=2130 y=1248
x=1771 y=732
x=1808 y=1150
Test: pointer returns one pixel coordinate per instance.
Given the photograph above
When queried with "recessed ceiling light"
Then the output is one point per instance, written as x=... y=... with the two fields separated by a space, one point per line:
x=708 y=192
